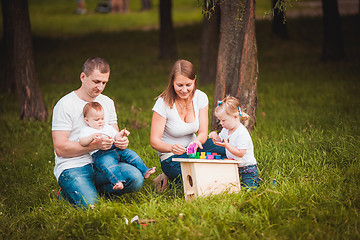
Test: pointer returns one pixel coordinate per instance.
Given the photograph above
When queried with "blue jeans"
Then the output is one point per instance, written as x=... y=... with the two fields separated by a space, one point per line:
x=107 y=162
x=81 y=186
x=173 y=170
x=249 y=176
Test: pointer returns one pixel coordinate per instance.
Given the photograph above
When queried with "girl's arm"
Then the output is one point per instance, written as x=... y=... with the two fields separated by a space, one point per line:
x=237 y=152
x=157 y=129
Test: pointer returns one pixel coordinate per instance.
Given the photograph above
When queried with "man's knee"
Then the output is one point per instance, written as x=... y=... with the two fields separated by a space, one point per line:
x=136 y=182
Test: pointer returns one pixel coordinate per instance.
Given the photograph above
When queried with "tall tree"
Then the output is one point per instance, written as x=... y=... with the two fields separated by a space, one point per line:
x=7 y=80
x=237 y=66
x=333 y=48
x=279 y=28
x=19 y=59
x=209 y=43
x=167 y=33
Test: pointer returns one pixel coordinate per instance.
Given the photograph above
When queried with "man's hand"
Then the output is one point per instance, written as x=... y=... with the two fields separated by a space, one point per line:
x=124 y=133
x=103 y=142
x=122 y=143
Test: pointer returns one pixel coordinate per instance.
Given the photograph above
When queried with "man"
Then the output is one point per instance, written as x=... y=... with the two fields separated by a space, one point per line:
x=79 y=181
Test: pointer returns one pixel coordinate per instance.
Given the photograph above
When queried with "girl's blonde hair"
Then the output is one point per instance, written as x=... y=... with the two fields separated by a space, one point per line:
x=231 y=106
x=180 y=67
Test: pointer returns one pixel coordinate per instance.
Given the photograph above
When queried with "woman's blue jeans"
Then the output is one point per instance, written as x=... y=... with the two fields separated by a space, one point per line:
x=173 y=170
x=107 y=162
x=81 y=186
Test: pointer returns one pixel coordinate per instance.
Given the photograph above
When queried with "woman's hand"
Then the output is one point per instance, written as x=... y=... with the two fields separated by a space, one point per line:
x=196 y=144
x=177 y=149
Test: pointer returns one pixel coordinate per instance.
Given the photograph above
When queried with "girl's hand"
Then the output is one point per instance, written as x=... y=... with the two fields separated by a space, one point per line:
x=177 y=149
x=220 y=143
x=215 y=137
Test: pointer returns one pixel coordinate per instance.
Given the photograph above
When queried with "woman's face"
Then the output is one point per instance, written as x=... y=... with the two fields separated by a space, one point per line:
x=183 y=86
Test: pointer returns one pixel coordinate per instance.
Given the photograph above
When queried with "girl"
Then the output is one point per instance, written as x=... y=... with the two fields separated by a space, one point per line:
x=236 y=139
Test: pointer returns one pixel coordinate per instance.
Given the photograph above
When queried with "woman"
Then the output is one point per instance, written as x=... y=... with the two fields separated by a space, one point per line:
x=180 y=118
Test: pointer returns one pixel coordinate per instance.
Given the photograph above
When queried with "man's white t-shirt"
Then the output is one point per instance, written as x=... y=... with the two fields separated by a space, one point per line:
x=240 y=139
x=108 y=130
x=68 y=116
x=176 y=130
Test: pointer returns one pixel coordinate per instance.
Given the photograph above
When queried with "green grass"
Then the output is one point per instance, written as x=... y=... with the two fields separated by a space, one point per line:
x=307 y=137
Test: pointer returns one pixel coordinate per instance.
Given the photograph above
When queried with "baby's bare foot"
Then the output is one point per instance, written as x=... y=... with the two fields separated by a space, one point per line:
x=148 y=173
x=118 y=186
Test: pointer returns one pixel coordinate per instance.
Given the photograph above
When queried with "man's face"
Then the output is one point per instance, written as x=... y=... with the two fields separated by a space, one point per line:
x=95 y=83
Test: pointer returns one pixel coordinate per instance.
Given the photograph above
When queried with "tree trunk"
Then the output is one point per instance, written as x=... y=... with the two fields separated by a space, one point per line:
x=209 y=46
x=237 y=67
x=279 y=28
x=333 y=48
x=167 y=34
x=19 y=56
x=7 y=68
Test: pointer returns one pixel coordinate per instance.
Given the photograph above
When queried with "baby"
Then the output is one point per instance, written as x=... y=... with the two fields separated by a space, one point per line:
x=106 y=160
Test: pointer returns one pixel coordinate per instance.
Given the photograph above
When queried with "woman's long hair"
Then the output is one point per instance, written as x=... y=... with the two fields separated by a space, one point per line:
x=180 y=67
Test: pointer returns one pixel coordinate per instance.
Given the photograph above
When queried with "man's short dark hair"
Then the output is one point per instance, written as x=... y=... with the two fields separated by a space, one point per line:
x=95 y=63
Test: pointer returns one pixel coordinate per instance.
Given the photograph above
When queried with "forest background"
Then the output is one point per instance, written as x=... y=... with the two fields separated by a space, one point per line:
x=306 y=137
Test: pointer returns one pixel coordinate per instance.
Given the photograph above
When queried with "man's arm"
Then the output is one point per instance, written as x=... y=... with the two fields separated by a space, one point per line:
x=65 y=148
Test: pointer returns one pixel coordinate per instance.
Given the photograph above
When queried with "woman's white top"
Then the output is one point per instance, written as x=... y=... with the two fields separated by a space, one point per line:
x=176 y=130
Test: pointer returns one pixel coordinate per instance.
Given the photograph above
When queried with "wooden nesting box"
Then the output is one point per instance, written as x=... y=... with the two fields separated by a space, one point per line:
x=202 y=177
